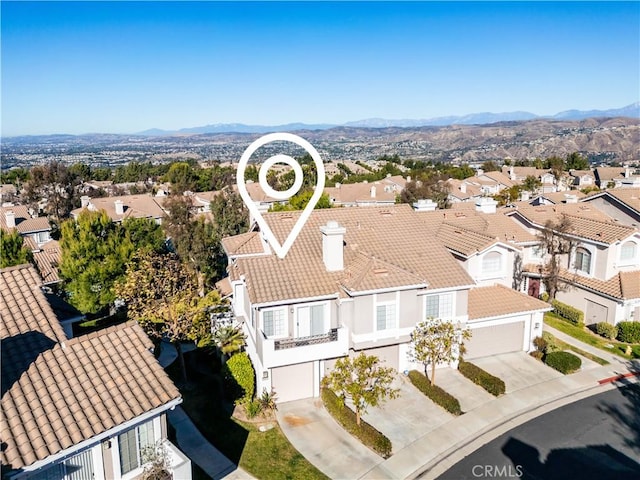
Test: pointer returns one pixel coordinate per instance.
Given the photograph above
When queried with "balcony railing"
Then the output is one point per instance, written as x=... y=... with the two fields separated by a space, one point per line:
x=331 y=336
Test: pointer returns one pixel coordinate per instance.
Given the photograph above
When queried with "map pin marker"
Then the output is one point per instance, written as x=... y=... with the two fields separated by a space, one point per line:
x=280 y=250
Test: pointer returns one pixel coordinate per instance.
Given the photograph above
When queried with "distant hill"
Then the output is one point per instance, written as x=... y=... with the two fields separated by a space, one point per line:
x=484 y=118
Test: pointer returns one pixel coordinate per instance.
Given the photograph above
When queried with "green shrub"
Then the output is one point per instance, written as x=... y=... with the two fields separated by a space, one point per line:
x=493 y=385
x=435 y=393
x=544 y=296
x=550 y=340
x=567 y=312
x=629 y=332
x=606 y=330
x=252 y=408
x=239 y=378
x=564 y=362
x=346 y=417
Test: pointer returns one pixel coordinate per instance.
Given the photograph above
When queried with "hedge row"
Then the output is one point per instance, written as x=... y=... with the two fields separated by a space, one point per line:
x=346 y=417
x=493 y=385
x=568 y=312
x=629 y=332
x=564 y=362
x=239 y=378
x=435 y=393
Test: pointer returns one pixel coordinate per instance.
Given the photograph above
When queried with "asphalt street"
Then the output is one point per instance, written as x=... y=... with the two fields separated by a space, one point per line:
x=595 y=438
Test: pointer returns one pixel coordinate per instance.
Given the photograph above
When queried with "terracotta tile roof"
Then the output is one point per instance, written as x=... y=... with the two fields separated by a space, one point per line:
x=485 y=302
x=58 y=392
x=560 y=197
x=495 y=225
x=224 y=286
x=362 y=193
x=392 y=236
x=249 y=243
x=455 y=189
x=587 y=224
x=135 y=206
x=47 y=258
x=609 y=173
x=463 y=241
x=24 y=222
x=623 y=285
x=499 y=177
x=627 y=196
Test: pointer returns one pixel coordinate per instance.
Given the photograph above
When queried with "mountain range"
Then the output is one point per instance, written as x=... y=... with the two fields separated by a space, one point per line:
x=484 y=118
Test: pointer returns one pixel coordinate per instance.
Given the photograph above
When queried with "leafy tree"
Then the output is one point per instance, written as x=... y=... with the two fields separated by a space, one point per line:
x=182 y=177
x=531 y=183
x=555 y=242
x=575 y=161
x=508 y=195
x=434 y=188
x=490 y=166
x=16 y=176
x=162 y=295
x=230 y=216
x=55 y=183
x=144 y=233
x=300 y=201
x=95 y=251
x=362 y=380
x=436 y=341
x=12 y=249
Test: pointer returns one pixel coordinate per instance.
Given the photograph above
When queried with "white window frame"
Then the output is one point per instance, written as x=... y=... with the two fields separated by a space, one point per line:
x=115 y=451
x=388 y=306
x=326 y=317
x=444 y=298
x=634 y=246
x=579 y=266
x=285 y=320
x=492 y=273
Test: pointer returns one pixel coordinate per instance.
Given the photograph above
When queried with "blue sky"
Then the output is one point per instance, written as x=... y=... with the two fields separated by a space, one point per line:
x=75 y=67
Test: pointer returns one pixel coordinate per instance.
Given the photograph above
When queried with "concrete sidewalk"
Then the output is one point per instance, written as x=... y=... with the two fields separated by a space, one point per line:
x=340 y=455
x=609 y=357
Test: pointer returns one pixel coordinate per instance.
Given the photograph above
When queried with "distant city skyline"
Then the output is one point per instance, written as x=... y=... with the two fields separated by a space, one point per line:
x=121 y=67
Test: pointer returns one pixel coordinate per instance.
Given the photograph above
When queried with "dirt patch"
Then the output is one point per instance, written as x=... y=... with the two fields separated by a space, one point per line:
x=295 y=420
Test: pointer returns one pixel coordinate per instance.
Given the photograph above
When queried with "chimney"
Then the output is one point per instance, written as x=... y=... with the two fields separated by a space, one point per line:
x=10 y=218
x=119 y=207
x=373 y=192
x=486 y=205
x=524 y=196
x=479 y=172
x=338 y=184
x=84 y=201
x=512 y=174
x=627 y=172
x=427 y=205
x=408 y=178
x=569 y=198
x=463 y=187
x=333 y=246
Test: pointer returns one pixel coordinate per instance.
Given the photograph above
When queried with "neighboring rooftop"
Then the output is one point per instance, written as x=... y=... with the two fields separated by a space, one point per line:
x=24 y=222
x=133 y=206
x=498 y=300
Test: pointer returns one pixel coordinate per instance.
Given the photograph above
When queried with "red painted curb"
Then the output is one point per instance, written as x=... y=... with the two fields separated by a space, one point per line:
x=618 y=377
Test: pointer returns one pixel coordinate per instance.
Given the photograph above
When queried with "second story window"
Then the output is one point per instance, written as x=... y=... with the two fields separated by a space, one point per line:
x=439 y=306
x=386 y=316
x=492 y=263
x=628 y=251
x=132 y=445
x=274 y=322
x=583 y=260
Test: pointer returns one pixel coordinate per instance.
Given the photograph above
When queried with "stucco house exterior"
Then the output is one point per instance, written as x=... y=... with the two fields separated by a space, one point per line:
x=358 y=280
x=82 y=408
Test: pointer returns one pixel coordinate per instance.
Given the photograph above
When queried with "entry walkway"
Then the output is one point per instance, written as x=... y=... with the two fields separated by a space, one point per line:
x=324 y=443
x=609 y=357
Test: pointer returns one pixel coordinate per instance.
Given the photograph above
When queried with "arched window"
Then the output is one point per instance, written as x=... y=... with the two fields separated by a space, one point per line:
x=628 y=251
x=492 y=263
x=583 y=260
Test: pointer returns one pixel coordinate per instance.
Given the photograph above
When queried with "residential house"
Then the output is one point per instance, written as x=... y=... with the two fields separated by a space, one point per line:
x=582 y=178
x=81 y=408
x=519 y=174
x=616 y=177
x=601 y=274
x=462 y=191
x=491 y=183
x=364 y=194
x=123 y=207
x=553 y=198
x=358 y=280
x=621 y=204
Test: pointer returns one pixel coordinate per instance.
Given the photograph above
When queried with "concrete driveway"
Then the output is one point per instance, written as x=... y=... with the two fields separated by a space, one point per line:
x=469 y=394
x=407 y=417
x=518 y=370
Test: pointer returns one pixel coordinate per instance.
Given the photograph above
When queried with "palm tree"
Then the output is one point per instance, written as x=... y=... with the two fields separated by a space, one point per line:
x=229 y=340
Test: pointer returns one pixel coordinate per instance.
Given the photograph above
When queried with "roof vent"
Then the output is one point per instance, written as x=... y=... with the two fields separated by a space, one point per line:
x=10 y=218
x=425 y=205
x=119 y=207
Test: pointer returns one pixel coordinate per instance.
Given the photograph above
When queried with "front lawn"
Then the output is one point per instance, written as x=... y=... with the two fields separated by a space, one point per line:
x=263 y=454
x=566 y=346
x=586 y=336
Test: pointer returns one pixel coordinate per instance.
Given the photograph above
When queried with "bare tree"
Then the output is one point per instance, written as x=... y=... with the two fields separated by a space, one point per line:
x=556 y=242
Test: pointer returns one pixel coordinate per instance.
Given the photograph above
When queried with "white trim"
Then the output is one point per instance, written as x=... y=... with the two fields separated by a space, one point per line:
x=472 y=321
x=285 y=320
x=85 y=444
x=115 y=452
x=327 y=307
x=360 y=293
x=295 y=301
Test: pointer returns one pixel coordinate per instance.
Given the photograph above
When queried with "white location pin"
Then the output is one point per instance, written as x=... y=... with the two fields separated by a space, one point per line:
x=281 y=250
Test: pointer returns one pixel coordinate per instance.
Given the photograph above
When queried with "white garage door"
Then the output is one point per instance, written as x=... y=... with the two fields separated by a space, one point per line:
x=493 y=340
x=595 y=313
x=292 y=382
